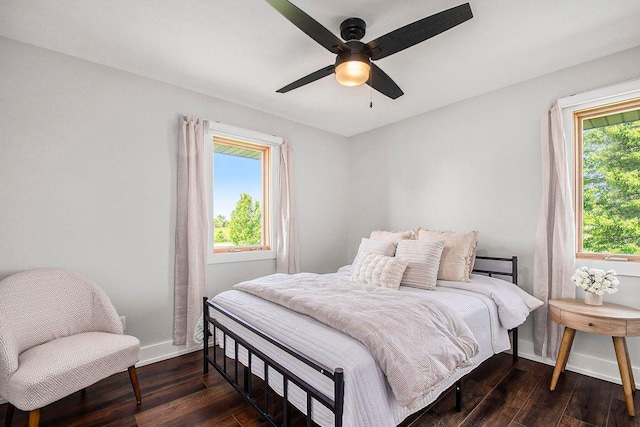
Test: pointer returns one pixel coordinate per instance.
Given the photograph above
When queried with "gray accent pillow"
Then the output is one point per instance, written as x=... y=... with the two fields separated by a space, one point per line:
x=424 y=261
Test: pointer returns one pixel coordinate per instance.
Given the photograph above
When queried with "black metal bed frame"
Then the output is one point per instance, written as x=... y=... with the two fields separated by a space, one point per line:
x=336 y=403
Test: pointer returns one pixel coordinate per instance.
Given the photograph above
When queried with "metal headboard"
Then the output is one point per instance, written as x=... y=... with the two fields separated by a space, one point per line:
x=503 y=268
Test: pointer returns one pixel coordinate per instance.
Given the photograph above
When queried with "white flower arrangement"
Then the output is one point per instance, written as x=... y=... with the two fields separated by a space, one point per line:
x=596 y=281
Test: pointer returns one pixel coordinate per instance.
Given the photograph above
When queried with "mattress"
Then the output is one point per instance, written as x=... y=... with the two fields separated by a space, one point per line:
x=368 y=398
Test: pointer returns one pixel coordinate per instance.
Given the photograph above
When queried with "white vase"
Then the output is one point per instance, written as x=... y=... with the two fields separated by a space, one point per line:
x=592 y=299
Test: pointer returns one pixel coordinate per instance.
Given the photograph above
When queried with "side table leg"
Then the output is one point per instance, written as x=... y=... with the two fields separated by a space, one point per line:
x=563 y=355
x=633 y=381
x=564 y=364
x=620 y=346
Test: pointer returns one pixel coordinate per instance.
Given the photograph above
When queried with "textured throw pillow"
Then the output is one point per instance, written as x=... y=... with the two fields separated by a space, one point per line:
x=391 y=236
x=424 y=261
x=379 y=270
x=458 y=255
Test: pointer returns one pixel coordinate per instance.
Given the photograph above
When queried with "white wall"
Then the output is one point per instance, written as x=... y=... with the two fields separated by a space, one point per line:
x=88 y=181
x=476 y=165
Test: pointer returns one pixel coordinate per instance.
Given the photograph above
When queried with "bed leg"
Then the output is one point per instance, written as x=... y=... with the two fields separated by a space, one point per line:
x=205 y=335
x=245 y=376
x=338 y=395
x=459 y=395
x=514 y=345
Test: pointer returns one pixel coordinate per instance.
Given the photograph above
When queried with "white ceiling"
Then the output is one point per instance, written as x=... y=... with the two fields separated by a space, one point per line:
x=243 y=50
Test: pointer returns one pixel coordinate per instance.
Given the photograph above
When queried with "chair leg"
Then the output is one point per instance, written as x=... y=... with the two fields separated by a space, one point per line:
x=134 y=383
x=9 y=415
x=34 y=418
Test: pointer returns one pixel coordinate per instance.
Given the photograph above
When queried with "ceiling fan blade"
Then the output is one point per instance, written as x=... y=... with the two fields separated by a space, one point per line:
x=419 y=31
x=316 y=75
x=309 y=25
x=380 y=81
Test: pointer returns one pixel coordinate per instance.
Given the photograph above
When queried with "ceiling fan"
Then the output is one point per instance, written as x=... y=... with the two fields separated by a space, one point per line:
x=353 y=65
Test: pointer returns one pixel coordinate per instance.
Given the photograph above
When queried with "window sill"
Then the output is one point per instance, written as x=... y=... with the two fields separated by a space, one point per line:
x=240 y=256
x=622 y=268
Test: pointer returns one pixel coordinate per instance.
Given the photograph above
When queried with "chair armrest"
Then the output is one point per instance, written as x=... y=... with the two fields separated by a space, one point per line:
x=8 y=354
x=105 y=316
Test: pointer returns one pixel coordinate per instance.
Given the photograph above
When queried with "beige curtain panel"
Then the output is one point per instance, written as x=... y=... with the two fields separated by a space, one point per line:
x=287 y=250
x=191 y=231
x=554 y=258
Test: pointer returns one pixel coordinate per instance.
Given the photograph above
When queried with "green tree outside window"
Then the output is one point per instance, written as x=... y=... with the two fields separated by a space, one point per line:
x=245 y=226
x=611 y=189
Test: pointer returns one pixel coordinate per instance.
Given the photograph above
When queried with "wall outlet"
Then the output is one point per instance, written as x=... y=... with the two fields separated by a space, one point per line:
x=123 y=319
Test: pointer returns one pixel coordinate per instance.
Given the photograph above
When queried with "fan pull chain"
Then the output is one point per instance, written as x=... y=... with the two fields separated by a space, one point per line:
x=370 y=91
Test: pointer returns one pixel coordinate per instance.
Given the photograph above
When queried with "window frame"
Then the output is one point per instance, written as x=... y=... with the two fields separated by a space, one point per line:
x=625 y=265
x=578 y=176
x=246 y=253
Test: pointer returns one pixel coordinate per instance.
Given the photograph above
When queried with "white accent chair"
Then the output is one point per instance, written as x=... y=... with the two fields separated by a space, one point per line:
x=59 y=333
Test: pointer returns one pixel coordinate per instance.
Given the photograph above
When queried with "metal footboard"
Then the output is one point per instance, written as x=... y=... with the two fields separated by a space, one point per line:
x=335 y=404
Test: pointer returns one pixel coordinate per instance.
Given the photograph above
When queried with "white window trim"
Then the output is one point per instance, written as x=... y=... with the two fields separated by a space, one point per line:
x=235 y=132
x=568 y=105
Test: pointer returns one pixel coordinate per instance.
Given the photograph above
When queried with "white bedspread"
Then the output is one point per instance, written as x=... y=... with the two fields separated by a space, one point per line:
x=398 y=328
x=514 y=304
x=369 y=400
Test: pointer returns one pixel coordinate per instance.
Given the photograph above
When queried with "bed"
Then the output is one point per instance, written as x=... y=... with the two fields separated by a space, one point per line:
x=334 y=377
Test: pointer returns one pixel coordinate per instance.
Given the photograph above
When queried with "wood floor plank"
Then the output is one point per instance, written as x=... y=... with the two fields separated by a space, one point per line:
x=590 y=401
x=213 y=404
x=123 y=422
x=572 y=422
x=534 y=367
x=248 y=417
x=503 y=403
x=493 y=370
x=618 y=414
x=545 y=407
x=112 y=411
x=444 y=414
x=178 y=369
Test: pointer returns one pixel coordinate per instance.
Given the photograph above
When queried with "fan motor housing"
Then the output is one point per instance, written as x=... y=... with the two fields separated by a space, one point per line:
x=356 y=52
x=352 y=29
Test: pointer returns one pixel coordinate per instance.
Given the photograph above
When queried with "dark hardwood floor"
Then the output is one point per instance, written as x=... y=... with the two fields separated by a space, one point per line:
x=175 y=392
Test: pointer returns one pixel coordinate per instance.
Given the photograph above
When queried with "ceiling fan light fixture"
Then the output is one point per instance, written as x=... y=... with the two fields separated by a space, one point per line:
x=352 y=73
x=352 y=68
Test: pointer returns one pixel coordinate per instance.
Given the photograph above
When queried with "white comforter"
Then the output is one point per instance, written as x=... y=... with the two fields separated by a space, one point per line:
x=514 y=304
x=369 y=400
x=398 y=328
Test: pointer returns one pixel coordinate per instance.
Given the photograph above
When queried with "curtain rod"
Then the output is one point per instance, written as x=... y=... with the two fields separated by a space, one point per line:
x=238 y=132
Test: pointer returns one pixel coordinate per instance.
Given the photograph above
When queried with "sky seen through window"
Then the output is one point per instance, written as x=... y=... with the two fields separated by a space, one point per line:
x=233 y=175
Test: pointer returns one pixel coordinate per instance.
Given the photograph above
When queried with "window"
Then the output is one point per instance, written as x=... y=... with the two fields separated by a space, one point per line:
x=607 y=171
x=606 y=152
x=242 y=193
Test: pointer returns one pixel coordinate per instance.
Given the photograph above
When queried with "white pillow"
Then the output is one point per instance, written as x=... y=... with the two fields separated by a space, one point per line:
x=424 y=261
x=379 y=247
x=391 y=236
x=378 y=270
x=458 y=255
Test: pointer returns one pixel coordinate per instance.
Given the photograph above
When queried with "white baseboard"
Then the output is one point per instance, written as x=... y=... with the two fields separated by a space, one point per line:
x=162 y=351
